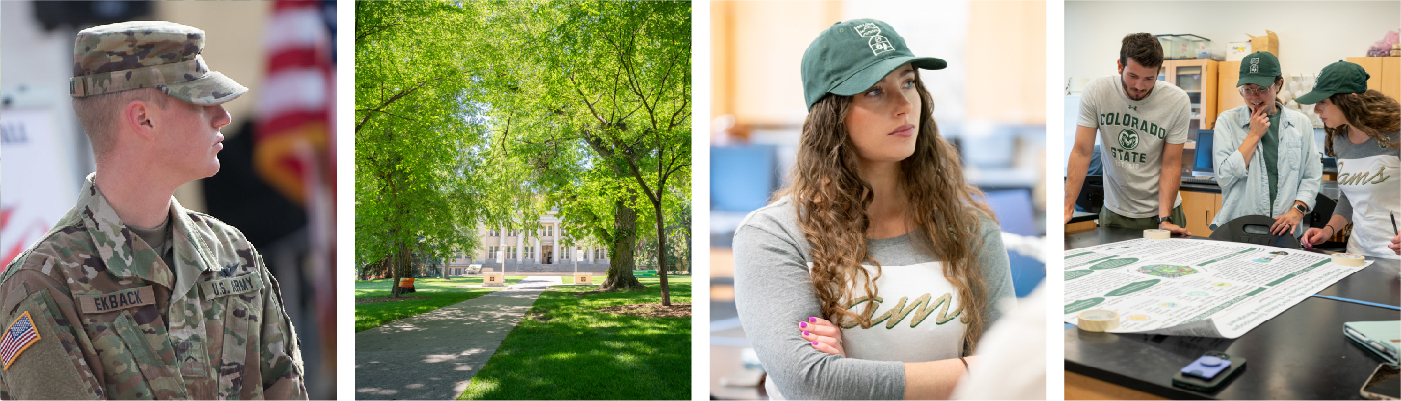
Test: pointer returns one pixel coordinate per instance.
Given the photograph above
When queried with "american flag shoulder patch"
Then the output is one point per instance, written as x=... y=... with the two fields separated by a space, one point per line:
x=20 y=335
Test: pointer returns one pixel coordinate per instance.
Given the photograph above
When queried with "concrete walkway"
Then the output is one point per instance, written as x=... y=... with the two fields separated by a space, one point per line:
x=434 y=355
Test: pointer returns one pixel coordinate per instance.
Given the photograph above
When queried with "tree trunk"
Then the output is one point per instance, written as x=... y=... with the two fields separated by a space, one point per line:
x=403 y=265
x=394 y=269
x=661 y=253
x=621 y=264
x=446 y=262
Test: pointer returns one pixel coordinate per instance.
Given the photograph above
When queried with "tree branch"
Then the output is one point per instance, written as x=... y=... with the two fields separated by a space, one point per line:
x=393 y=99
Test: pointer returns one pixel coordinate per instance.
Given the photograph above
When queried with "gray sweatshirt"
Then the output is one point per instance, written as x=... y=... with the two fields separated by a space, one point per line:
x=917 y=318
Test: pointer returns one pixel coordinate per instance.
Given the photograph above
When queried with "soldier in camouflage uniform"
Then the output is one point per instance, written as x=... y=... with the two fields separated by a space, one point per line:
x=102 y=307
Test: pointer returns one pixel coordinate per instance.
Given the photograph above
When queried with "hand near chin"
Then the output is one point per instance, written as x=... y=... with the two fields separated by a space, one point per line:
x=1259 y=122
x=824 y=336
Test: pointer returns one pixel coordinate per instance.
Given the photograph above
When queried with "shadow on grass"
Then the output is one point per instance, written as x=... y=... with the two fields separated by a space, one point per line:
x=566 y=349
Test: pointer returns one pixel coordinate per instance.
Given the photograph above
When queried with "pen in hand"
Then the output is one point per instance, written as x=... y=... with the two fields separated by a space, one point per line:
x=1393 y=222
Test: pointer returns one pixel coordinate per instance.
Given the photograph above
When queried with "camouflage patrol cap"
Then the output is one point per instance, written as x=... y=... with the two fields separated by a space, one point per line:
x=147 y=54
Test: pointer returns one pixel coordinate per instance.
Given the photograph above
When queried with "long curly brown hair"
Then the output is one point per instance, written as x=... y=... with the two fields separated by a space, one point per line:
x=1373 y=113
x=832 y=200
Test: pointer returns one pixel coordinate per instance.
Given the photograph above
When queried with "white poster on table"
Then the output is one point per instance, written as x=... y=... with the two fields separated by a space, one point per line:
x=1193 y=287
x=35 y=179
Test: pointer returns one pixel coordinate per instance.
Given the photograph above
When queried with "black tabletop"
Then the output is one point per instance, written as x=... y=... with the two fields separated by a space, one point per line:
x=1194 y=187
x=1300 y=354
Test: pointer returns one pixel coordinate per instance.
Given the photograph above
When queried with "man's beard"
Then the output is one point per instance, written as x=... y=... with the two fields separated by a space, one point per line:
x=1129 y=94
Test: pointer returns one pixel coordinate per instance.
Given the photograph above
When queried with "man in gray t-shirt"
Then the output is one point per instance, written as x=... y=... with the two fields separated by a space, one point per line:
x=1142 y=127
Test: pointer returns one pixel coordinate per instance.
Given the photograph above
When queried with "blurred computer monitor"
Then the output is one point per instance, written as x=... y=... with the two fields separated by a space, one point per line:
x=1201 y=160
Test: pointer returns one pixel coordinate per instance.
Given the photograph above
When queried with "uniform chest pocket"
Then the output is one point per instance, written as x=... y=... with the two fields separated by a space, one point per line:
x=135 y=364
x=234 y=319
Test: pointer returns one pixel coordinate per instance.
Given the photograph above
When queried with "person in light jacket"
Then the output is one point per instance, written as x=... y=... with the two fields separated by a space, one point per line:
x=1265 y=158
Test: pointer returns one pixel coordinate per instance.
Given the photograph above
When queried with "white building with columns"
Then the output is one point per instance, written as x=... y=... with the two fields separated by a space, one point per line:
x=531 y=249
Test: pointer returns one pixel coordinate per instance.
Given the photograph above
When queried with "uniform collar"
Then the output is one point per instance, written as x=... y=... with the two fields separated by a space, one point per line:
x=125 y=255
x=192 y=251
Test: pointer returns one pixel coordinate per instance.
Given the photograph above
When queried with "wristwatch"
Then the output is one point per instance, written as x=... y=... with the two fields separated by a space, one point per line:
x=1162 y=220
x=1301 y=208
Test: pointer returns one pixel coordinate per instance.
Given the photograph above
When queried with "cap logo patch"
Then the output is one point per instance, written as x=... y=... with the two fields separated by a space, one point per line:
x=1255 y=65
x=879 y=44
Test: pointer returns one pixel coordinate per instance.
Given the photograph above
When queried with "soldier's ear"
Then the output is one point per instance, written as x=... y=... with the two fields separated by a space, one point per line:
x=139 y=116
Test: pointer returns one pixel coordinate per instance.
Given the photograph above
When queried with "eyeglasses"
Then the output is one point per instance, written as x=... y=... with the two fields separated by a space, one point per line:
x=1258 y=90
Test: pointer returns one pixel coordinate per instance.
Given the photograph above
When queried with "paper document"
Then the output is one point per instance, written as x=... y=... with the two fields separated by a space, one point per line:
x=1192 y=287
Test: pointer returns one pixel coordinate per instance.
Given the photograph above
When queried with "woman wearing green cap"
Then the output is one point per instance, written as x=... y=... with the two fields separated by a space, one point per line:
x=1362 y=126
x=1264 y=154
x=873 y=275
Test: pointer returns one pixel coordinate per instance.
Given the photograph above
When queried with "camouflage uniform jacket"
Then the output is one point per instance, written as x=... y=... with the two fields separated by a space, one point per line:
x=113 y=321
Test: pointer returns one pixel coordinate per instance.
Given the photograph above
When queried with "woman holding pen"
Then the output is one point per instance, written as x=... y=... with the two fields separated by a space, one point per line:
x=1362 y=127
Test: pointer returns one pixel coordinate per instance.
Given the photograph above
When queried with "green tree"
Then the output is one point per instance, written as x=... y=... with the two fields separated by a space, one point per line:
x=416 y=180
x=614 y=79
x=493 y=113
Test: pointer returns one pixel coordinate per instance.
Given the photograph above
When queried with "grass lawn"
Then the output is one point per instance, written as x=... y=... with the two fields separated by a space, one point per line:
x=565 y=349
x=440 y=293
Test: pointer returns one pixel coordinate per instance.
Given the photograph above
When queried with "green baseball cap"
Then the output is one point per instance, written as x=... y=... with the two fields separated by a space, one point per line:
x=852 y=56
x=1339 y=77
x=147 y=54
x=1259 y=68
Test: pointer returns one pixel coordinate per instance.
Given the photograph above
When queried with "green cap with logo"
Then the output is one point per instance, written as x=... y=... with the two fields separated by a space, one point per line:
x=147 y=54
x=1339 y=77
x=1259 y=68
x=852 y=56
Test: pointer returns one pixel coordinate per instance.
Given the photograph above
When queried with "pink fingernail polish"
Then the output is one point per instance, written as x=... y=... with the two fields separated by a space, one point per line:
x=814 y=343
x=812 y=319
x=807 y=333
x=803 y=324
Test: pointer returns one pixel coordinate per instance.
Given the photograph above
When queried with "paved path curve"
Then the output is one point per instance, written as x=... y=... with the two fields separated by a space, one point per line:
x=434 y=355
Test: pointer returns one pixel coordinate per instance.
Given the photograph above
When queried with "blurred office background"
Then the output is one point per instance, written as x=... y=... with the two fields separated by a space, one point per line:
x=990 y=102
x=276 y=183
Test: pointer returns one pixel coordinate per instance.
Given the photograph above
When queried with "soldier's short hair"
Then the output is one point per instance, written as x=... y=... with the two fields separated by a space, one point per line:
x=99 y=115
x=1143 y=48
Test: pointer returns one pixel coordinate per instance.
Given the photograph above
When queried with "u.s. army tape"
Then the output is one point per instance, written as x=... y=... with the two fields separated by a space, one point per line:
x=1157 y=234
x=1348 y=259
x=1098 y=320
